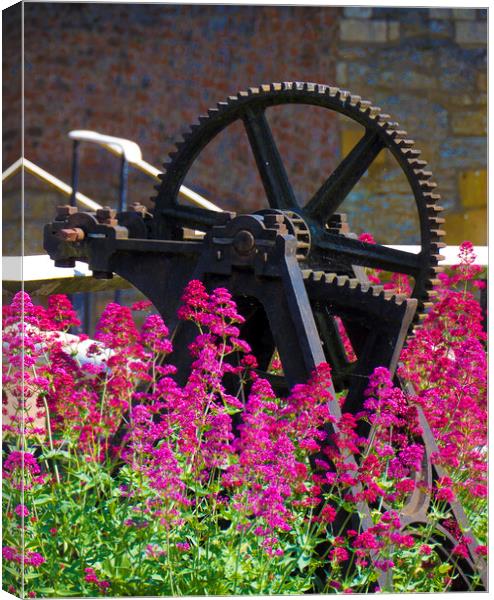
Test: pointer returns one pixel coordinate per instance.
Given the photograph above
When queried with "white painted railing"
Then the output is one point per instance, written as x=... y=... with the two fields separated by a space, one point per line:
x=132 y=153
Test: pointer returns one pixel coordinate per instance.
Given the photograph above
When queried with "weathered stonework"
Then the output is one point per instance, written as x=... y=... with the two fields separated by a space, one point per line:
x=356 y=30
x=471 y=33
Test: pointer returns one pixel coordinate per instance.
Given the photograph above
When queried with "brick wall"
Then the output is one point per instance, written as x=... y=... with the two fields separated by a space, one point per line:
x=146 y=71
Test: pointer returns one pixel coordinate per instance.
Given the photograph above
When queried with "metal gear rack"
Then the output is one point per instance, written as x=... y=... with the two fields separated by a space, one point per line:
x=294 y=269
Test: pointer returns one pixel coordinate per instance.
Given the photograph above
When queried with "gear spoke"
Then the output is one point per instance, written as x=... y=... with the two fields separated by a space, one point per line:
x=193 y=217
x=343 y=179
x=268 y=159
x=369 y=255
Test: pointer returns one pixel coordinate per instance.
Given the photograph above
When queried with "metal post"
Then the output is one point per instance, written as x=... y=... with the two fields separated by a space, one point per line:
x=75 y=172
x=87 y=305
x=124 y=171
x=122 y=202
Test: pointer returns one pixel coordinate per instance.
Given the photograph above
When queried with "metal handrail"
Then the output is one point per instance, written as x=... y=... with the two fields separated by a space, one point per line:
x=40 y=173
x=131 y=153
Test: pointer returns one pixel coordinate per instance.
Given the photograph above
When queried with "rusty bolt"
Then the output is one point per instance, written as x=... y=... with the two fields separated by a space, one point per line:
x=275 y=222
x=140 y=209
x=65 y=210
x=244 y=242
x=106 y=216
x=74 y=234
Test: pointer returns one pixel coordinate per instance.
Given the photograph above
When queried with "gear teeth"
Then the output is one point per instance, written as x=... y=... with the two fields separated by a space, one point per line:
x=343 y=95
x=405 y=143
x=383 y=119
x=399 y=298
x=317 y=275
x=434 y=209
x=427 y=185
x=433 y=282
x=437 y=245
x=421 y=174
x=364 y=105
x=392 y=126
x=437 y=220
x=410 y=152
x=415 y=168
x=417 y=163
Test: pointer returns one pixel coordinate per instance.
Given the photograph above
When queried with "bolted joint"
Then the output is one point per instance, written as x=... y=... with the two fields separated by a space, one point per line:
x=275 y=222
x=140 y=209
x=63 y=212
x=106 y=216
x=74 y=234
x=244 y=242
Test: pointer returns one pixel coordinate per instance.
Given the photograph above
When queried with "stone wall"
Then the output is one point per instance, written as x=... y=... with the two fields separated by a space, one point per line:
x=147 y=71
x=427 y=68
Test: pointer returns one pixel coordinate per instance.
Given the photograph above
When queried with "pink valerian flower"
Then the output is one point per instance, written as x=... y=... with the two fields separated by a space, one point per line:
x=61 y=313
x=443 y=491
x=116 y=327
x=446 y=362
x=141 y=305
x=21 y=510
x=29 y=558
x=154 y=335
x=338 y=555
x=91 y=577
x=481 y=550
x=183 y=546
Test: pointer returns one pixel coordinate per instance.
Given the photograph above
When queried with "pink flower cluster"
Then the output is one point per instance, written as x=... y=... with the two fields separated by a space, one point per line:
x=446 y=362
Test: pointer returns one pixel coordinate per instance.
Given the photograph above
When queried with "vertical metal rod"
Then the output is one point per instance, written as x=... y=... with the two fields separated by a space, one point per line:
x=75 y=172
x=122 y=203
x=87 y=305
x=124 y=172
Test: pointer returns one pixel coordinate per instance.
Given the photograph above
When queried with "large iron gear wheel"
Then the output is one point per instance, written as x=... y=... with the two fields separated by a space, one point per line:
x=328 y=248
